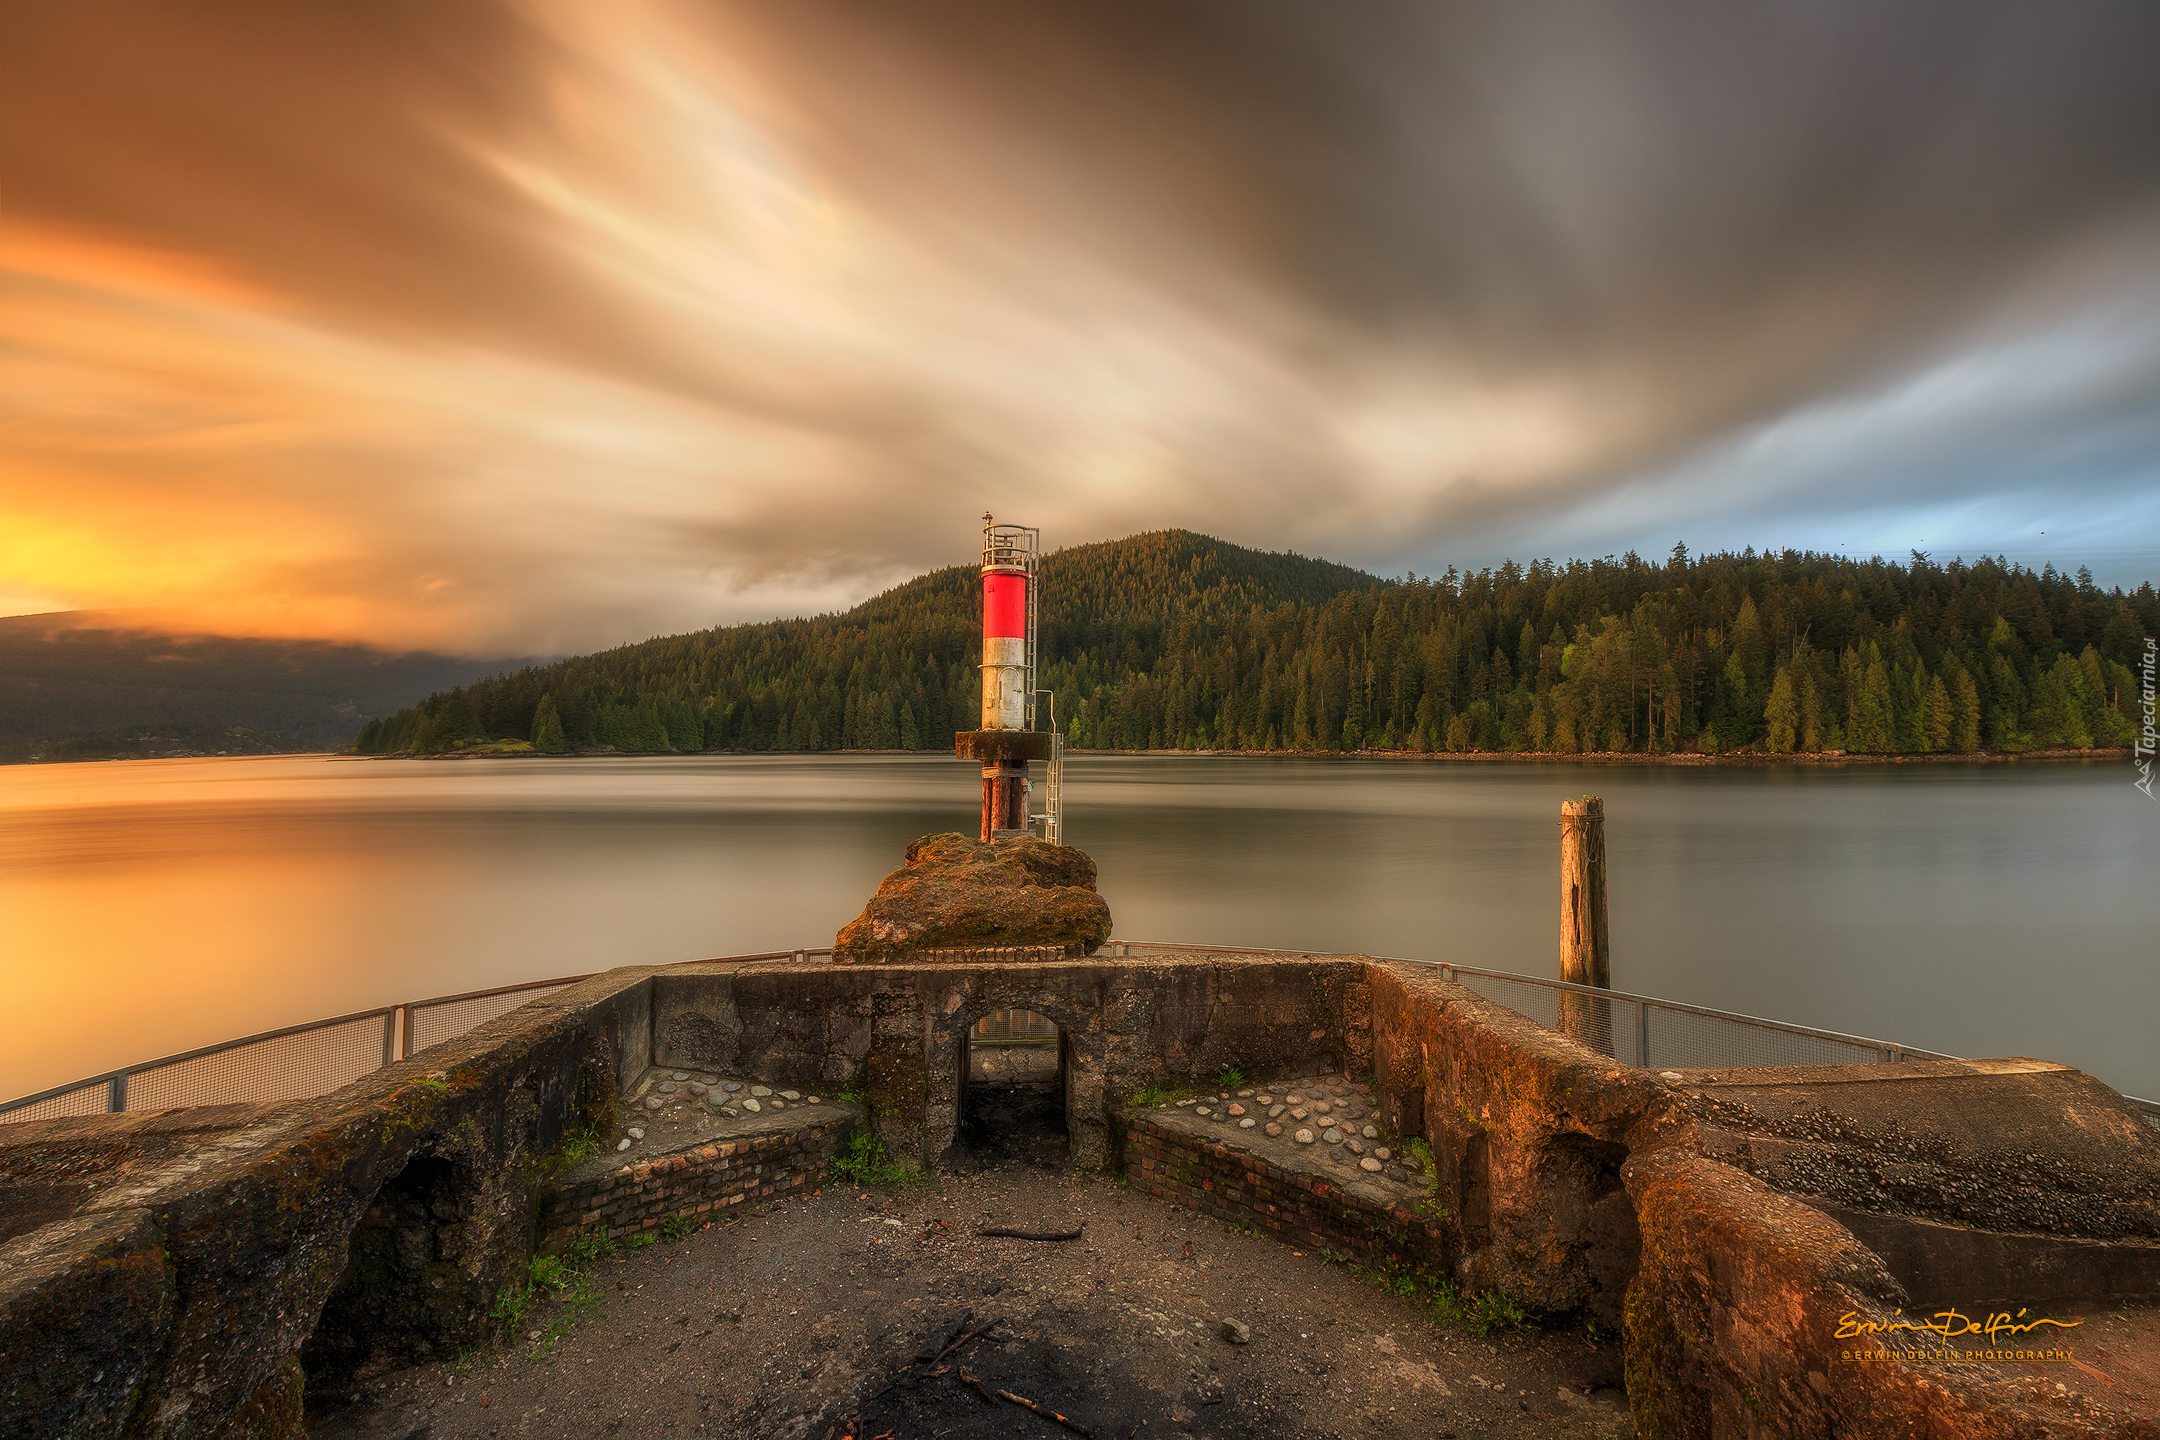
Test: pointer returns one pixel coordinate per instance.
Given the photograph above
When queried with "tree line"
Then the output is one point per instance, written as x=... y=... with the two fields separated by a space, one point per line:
x=1172 y=640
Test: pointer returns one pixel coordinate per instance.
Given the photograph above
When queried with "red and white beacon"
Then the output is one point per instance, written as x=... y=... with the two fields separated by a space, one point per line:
x=1009 y=739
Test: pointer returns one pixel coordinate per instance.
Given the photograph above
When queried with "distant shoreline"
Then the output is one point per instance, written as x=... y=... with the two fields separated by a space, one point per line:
x=1480 y=757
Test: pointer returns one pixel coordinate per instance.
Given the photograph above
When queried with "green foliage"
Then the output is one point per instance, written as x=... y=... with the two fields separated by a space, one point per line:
x=1230 y=1077
x=575 y=1148
x=864 y=1162
x=1175 y=640
x=1437 y=1294
x=674 y=1228
x=1153 y=1095
x=559 y=1282
x=547 y=729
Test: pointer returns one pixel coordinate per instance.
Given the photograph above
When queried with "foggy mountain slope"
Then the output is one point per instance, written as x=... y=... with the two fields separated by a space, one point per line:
x=80 y=672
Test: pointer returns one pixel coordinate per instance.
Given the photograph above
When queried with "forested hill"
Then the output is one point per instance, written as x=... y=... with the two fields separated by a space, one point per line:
x=1175 y=640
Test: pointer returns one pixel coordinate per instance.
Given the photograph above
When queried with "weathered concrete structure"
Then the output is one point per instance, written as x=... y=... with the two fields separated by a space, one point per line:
x=180 y=1274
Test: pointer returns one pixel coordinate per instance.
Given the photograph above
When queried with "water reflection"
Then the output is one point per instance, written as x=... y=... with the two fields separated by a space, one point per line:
x=154 y=906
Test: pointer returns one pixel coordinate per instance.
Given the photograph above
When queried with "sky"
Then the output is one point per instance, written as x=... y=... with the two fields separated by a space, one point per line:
x=527 y=328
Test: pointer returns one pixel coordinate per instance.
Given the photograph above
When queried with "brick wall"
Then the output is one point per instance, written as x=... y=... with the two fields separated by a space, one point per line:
x=1304 y=1210
x=696 y=1184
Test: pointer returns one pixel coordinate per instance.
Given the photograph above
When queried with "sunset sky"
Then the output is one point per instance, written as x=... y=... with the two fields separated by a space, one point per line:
x=539 y=327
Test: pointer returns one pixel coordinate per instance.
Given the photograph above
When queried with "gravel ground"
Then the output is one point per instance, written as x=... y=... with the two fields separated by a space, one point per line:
x=805 y=1321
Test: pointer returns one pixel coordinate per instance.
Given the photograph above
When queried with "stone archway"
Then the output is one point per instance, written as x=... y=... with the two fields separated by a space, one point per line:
x=400 y=1297
x=1015 y=1093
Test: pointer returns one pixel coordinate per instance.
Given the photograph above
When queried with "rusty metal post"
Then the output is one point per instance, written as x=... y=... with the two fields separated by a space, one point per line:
x=1585 y=943
x=1004 y=797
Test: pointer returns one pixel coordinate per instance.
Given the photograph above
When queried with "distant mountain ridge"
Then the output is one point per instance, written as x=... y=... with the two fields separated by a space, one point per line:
x=1177 y=640
x=78 y=673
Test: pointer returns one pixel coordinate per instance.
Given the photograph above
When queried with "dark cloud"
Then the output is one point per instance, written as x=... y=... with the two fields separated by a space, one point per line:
x=529 y=324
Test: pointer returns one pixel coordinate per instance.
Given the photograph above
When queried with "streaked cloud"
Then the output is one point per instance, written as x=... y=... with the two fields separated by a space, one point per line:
x=544 y=326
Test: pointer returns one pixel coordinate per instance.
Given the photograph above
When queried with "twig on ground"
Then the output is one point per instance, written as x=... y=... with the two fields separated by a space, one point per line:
x=1047 y=1413
x=974 y=1384
x=976 y=1334
x=1035 y=1234
x=936 y=1349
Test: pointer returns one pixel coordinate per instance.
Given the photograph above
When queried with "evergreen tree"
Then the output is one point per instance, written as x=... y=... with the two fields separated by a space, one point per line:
x=1783 y=714
x=1966 y=705
x=1940 y=730
x=547 y=731
x=1175 y=639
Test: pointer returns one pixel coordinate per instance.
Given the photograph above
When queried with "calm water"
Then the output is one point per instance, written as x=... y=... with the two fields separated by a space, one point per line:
x=154 y=906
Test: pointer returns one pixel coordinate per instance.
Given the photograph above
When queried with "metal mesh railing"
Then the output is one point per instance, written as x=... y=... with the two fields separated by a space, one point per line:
x=1650 y=1033
x=301 y=1061
x=430 y=1022
x=295 y=1065
x=89 y=1098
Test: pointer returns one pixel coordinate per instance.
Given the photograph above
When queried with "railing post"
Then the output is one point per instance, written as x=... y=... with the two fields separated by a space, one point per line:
x=389 y=1036
x=116 y=1095
x=1585 y=946
x=406 y=1050
x=1642 y=1033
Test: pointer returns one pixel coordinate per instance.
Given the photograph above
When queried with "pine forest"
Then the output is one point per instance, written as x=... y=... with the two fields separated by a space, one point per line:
x=1172 y=640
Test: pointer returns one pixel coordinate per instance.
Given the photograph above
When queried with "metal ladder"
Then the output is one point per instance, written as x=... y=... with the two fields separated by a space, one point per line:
x=1053 y=813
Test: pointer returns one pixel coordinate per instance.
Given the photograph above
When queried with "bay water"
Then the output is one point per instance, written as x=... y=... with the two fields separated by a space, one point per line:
x=153 y=906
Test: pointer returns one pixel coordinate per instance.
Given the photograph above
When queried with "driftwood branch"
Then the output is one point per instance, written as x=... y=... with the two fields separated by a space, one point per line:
x=993 y=1396
x=1034 y=1234
x=976 y=1334
x=1047 y=1413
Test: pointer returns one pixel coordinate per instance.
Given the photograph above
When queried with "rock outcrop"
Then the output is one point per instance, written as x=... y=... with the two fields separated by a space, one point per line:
x=955 y=893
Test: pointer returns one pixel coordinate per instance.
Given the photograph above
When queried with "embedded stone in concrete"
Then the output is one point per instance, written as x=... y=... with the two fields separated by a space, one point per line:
x=1303 y=1137
x=760 y=1091
x=752 y=1106
x=1368 y=1163
x=1273 y=1129
x=1371 y=1132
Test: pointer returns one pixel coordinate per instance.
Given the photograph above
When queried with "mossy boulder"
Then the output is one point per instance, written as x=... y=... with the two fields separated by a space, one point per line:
x=960 y=894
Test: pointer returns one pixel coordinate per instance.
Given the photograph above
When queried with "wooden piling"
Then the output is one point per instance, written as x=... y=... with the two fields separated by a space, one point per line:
x=1585 y=945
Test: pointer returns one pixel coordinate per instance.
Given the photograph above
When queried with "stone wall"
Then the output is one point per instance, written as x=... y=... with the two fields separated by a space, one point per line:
x=1778 y=1207
x=697 y=1184
x=897 y=1034
x=1300 y=1209
x=204 y=1251
x=1528 y=1132
x=179 y=1274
